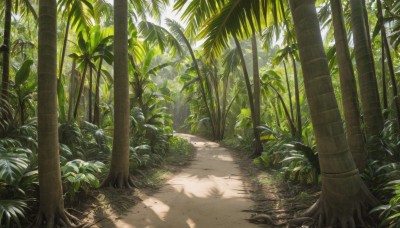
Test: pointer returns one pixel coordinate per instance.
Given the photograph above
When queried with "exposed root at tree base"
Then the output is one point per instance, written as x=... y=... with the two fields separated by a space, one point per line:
x=57 y=219
x=118 y=181
x=344 y=202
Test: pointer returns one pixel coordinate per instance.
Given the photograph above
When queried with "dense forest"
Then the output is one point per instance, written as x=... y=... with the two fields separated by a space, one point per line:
x=93 y=90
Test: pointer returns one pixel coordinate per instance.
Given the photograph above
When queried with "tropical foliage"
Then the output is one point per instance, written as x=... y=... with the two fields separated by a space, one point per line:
x=230 y=70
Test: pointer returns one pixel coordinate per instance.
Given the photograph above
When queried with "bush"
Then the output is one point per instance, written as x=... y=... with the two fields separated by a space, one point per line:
x=79 y=176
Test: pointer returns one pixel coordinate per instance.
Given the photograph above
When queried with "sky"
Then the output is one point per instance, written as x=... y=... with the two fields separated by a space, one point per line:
x=168 y=13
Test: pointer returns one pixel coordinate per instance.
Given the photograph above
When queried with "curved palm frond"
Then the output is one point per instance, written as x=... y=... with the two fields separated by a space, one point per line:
x=26 y=6
x=102 y=9
x=12 y=211
x=240 y=18
x=157 y=34
x=80 y=12
x=196 y=12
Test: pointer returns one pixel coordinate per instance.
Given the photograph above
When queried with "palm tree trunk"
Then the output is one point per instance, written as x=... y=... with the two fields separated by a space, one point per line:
x=278 y=122
x=201 y=81
x=257 y=97
x=72 y=90
x=119 y=176
x=348 y=88
x=292 y=128
x=212 y=104
x=78 y=99
x=60 y=79
x=366 y=70
x=90 y=93
x=384 y=87
x=249 y=95
x=6 y=50
x=297 y=98
x=343 y=192
x=389 y=61
x=51 y=210
x=96 y=114
x=289 y=92
x=225 y=83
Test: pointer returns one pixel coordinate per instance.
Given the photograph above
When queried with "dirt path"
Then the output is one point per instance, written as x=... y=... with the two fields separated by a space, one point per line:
x=210 y=193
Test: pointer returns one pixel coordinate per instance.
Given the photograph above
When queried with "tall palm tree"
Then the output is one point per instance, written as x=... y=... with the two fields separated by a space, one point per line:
x=343 y=192
x=119 y=176
x=79 y=15
x=5 y=48
x=177 y=30
x=348 y=88
x=254 y=116
x=51 y=210
x=366 y=69
x=257 y=97
x=386 y=51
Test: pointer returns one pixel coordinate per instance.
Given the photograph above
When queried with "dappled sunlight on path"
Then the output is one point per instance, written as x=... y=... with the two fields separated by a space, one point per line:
x=209 y=193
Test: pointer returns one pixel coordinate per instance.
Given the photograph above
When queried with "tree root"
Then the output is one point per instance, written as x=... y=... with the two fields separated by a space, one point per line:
x=59 y=218
x=118 y=181
x=343 y=203
x=261 y=218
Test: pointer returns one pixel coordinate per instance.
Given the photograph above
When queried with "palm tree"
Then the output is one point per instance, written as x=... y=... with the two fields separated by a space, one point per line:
x=366 y=69
x=5 y=48
x=257 y=97
x=254 y=116
x=178 y=32
x=343 y=192
x=91 y=45
x=119 y=170
x=348 y=88
x=79 y=15
x=386 y=51
x=51 y=210
x=283 y=54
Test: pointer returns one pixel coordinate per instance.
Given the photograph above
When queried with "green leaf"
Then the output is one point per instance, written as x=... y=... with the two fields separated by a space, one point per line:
x=12 y=167
x=11 y=211
x=23 y=72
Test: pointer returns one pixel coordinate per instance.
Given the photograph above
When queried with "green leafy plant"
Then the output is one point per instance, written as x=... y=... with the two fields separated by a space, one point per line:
x=16 y=180
x=79 y=176
x=11 y=212
x=390 y=213
x=179 y=151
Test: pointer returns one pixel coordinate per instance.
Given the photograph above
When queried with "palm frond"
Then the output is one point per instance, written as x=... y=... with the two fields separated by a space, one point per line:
x=240 y=18
x=11 y=212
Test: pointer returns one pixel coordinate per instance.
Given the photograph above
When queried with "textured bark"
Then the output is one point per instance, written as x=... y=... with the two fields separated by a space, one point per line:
x=6 y=50
x=366 y=70
x=78 y=99
x=343 y=192
x=72 y=90
x=257 y=97
x=289 y=91
x=51 y=210
x=119 y=169
x=90 y=94
x=96 y=114
x=348 y=88
x=297 y=98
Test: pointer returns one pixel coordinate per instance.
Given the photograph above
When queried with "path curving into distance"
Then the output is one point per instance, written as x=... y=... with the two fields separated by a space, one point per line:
x=209 y=193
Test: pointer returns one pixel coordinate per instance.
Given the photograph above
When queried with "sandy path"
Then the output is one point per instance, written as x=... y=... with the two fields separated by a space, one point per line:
x=210 y=193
